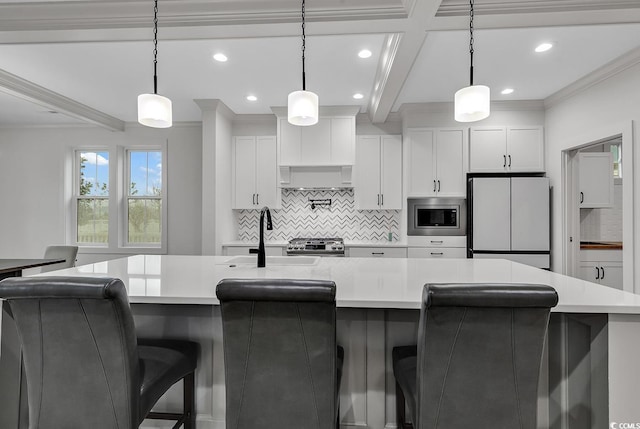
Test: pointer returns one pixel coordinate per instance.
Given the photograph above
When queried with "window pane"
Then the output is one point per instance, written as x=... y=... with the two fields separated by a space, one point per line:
x=145 y=172
x=94 y=173
x=93 y=220
x=145 y=224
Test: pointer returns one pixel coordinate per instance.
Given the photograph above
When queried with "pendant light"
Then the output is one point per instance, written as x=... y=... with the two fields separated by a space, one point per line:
x=472 y=103
x=303 y=105
x=154 y=110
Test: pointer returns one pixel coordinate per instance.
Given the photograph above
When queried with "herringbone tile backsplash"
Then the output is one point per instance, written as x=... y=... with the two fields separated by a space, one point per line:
x=296 y=218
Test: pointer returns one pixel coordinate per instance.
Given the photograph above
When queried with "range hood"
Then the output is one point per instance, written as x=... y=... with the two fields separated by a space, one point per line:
x=316 y=177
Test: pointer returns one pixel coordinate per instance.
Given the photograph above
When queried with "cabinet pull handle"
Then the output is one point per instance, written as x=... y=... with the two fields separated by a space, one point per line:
x=377 y=253
x=382 y=199
x=434 y=186
x=253 y=199
x=378 y=199
x=504 y=164
x=437 y=241
x=581 y=197
x=438 y=186
x=509 y=161
x=437 y=253
x=258 y=199
x=597 y=274
x=602 y=276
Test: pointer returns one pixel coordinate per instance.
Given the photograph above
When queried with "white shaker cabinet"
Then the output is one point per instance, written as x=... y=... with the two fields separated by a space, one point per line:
x=255 y=172
x=436 y=160
x=602 y=266
x=378 y=173
x=506 y=149
x=329 y=142
x=595 y=179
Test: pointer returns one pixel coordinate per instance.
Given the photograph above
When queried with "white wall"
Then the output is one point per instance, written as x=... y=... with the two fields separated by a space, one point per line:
x=35 y=164
x=602 y=110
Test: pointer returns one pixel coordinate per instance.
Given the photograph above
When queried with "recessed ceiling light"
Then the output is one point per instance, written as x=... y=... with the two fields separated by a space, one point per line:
x=507 y=91
x=252 y=98
x=543 y=47
x=365 y=53
x=358 y=96
x=220 y=57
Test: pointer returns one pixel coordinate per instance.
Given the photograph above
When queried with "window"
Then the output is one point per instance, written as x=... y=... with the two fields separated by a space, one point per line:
x=144 y=197
x=119 y=199
x=92 y=198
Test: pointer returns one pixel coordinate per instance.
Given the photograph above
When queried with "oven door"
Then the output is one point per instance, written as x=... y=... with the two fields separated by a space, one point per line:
x=436 y=216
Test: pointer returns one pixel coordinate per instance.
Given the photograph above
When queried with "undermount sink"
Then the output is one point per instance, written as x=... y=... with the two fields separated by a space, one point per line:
x=274 y=260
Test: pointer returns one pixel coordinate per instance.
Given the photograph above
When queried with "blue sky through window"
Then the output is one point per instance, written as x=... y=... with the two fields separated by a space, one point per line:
x=95 y=173
x=146 y=173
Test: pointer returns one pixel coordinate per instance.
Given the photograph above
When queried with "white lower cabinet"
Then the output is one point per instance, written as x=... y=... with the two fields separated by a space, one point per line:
x=377 y=252
x=602 y=266
x=437 y=247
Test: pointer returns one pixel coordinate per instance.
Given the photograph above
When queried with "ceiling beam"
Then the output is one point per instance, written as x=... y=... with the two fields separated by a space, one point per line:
x=396 y=61
x=29 y=91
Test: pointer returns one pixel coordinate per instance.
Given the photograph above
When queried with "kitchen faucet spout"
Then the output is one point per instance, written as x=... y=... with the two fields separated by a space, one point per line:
x=261 y=253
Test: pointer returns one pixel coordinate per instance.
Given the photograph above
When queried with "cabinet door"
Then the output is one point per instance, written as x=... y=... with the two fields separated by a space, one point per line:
x=488 y=149
x=441 y=252
x=289 y=142
x=492 y=214
x=589 y=271
x=367 y=173
x=449 y=163
x=245 y=172
x=595 y=179
x=378 y=252
x=391 y=173
x=530 y=214
x=267 y=191
x=611 y=274
x=315 y=143
x=421 y=163
x=525 y=149
x=343 y=136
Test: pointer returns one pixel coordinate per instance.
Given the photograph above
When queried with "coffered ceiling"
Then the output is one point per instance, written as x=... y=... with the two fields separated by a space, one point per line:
x=88 y=60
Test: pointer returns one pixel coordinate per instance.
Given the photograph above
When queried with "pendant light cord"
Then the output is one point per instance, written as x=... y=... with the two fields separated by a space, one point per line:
x=304 y=46
x=155 y=47
x=471 y=41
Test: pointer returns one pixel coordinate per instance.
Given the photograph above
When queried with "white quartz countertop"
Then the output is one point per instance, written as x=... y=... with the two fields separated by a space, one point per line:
x=361 y=282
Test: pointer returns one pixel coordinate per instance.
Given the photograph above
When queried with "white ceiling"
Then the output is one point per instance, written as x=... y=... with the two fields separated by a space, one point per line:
x=91 y=59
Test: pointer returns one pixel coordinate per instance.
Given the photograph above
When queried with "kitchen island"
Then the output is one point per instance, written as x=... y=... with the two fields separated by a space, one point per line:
x=593 y=377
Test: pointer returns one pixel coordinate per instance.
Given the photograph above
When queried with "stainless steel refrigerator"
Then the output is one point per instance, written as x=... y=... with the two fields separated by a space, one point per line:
x=509 y=219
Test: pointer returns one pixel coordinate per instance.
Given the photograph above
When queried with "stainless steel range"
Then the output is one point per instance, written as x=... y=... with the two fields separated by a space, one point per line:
x=316 y=246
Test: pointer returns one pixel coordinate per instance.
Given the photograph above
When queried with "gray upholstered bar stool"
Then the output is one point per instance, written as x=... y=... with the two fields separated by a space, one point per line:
x=478 y=356
x=83 y=365
x=282 y=364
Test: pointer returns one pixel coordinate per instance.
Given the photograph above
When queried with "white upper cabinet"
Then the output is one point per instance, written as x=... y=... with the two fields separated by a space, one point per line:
x=506 y=149
x=378 y=173
x=329 y=142
x=255 y=173
x=436 y=161
x=596 y=179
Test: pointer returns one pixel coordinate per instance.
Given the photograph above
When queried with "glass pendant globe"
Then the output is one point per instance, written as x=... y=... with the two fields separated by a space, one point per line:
x=302 y=108
x=154 y=111
x=472 y=103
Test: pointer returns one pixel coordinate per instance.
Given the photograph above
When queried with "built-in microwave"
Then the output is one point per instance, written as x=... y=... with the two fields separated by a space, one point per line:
x=437 y=216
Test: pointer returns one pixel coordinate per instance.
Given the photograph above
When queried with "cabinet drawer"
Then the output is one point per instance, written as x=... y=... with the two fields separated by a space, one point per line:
x=377 y=252
x=438 y=241
x=439 y=252
x=251 y=250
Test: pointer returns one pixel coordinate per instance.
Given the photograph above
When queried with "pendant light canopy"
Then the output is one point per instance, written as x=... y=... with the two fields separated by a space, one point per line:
x=472 y=103
x=303 y=105
x=155 y=110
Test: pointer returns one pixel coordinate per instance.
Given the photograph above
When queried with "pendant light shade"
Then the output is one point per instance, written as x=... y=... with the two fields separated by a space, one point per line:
x=302 y=105
x=472 y=103
x=302 y=108
x=154 y=111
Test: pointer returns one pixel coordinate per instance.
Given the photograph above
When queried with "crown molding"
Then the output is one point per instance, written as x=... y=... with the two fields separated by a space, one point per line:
x=29 y=91
x=461 y=8
x=605 y=72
